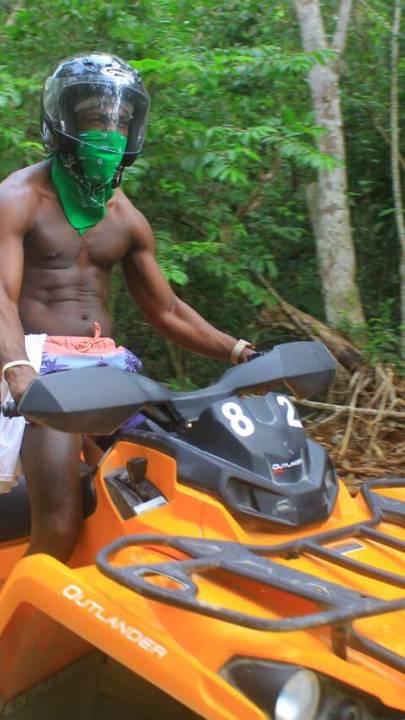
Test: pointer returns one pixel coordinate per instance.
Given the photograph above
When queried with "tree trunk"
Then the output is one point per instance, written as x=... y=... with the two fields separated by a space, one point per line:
x=332 y=229
x=14 y=12
x=395 y=159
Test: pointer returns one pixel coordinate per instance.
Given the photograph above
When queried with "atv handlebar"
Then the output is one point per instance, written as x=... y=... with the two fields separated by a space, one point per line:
x=99 y=400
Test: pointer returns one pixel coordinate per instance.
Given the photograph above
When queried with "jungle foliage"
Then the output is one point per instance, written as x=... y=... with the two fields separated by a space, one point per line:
x=230 y=149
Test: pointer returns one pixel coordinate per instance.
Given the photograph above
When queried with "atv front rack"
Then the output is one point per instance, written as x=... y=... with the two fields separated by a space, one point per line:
x=338 y=606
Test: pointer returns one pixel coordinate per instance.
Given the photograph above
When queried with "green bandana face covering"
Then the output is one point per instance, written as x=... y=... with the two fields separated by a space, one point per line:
x=99 y=165
x=84 y=196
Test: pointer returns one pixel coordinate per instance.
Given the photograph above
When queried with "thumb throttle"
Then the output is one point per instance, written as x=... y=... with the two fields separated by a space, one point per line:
x=10 y=410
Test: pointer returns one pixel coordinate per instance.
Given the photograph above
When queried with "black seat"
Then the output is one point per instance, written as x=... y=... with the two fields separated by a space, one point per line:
x=15 y=521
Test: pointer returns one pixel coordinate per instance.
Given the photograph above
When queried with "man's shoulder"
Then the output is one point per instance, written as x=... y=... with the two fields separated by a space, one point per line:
x=20 y=196
x=123 y=202
x=136 y=222
x=25 y=184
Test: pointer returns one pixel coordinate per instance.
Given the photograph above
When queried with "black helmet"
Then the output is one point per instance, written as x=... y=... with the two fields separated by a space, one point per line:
x=97 y=78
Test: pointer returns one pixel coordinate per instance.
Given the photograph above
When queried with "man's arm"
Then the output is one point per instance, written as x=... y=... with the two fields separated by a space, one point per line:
x=16 y=209
x=167 y=314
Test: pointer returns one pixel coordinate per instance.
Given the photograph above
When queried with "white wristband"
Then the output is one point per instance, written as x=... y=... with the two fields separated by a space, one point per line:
x=15 y=363
x=238 y=349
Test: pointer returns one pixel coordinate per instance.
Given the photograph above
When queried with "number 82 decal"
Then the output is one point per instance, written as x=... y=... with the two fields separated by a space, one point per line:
x=243 y=426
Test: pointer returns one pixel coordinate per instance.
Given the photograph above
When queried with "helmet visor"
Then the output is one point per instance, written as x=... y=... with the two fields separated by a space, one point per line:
x=74 y=106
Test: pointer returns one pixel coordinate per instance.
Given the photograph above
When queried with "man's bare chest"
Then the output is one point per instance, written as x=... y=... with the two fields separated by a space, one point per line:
x=53 y=242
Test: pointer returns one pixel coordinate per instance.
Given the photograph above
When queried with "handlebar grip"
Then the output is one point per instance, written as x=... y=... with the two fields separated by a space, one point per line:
x=10 y=410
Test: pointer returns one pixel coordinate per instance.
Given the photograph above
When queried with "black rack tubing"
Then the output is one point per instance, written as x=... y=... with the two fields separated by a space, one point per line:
x=359 y=642
x=384 y=539
x=297 y=546
x=312 y=545
x=303 y=622
x=354 y=565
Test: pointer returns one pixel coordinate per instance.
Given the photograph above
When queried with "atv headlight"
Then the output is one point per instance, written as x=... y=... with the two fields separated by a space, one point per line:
x=289 y=692
x=285 y=692
x=299 y=697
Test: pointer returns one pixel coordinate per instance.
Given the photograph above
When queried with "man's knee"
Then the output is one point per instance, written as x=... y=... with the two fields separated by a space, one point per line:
x=55 y=533
x=56 y=519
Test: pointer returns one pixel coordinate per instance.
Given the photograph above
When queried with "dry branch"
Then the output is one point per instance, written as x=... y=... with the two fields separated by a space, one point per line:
x=287 y=316
x=358 y=383
x=363 y=423
x=338 y=409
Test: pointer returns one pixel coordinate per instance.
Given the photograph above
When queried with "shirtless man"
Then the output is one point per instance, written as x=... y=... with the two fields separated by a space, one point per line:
x=63 y=228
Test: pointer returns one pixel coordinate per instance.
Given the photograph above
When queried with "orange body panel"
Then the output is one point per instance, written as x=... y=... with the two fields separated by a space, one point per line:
x=77 y=608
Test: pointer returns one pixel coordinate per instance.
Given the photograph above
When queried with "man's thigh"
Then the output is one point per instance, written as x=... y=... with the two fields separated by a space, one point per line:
x=50 y=461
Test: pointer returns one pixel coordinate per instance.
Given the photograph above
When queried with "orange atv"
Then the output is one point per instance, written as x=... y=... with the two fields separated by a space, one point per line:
x=222 y=572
